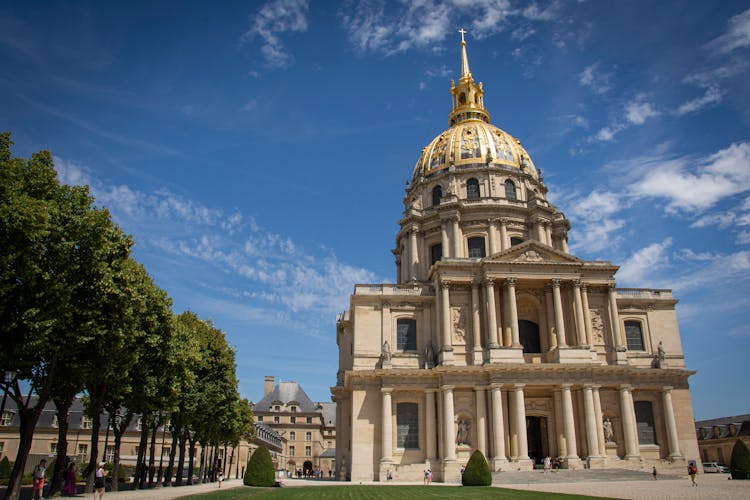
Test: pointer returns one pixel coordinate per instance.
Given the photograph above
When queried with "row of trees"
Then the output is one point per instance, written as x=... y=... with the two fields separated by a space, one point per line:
x=79 y=315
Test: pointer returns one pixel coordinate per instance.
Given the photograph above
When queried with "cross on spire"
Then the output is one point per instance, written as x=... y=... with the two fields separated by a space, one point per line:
x=463 y=32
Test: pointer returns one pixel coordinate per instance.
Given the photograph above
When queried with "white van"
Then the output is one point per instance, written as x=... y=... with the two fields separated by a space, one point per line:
x=711 y=467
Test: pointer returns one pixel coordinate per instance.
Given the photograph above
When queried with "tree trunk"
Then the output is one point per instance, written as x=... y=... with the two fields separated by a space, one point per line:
x=202 y=469
x=138 y=482
x=181 y=464
x=191 y=455
x=119 y=426
x=170 y=467
x=63 y=408
x=231 y=459
x=152 y=451
x=95 y=414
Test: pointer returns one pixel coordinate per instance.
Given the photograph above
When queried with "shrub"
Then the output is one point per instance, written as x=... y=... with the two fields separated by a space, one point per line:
x=5 y=468
x=477 y=472
x=740 y=461
x=260 y=471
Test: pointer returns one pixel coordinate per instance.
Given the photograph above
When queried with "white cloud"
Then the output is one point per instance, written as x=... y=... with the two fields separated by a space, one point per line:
x=594 y=222
x=733 y=268
x=713 y=95
x=71 y=173
x=596 y=80
x=743 y=238
x=636 y=269
x=722 y=220
x=695 y=188
x=274 y=19
x=737 y=35
x=638 y=111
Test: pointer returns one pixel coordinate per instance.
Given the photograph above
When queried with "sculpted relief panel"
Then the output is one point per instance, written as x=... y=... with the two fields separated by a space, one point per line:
x=459 y=320
x=597 y=326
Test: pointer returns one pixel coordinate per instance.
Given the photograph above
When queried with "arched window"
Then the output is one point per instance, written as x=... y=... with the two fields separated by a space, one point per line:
x=644 y=418
x=510 y=190
x=462 y=98
x=436 y=253
x=515 y=241
x=437 y=195
x=407 y=426
x=406 y=335
x=528 y=333
x=476 y=247
x=634 y=335
x=472 y=189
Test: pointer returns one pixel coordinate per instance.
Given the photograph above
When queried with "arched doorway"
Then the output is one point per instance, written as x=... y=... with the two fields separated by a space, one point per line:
x=307 y=468
x=528 y=333
x=536 y=438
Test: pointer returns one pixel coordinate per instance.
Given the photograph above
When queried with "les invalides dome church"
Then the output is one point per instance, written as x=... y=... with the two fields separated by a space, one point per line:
x=496 y=338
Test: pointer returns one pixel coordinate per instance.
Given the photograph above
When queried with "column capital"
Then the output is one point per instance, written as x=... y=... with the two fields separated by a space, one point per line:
x=386 y=390
x=510 y=282
x=612 y=287
x=445 y=284
x=430 y=390
x=448 y=388
x=519 y=386
x=492 y=221
x=577 y=283
x=555 y=282
x=478 y=388
x=504 y=221
x=566 y=386
x=625 y=387
x=496 y=385
x=667 y=388
x=414 y=230
x=487 y=281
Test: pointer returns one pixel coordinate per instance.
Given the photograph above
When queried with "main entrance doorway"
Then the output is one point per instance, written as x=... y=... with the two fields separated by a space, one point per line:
x=536 y=437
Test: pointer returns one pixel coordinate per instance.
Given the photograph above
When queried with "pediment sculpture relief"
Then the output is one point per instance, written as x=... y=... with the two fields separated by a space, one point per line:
x=531 y=256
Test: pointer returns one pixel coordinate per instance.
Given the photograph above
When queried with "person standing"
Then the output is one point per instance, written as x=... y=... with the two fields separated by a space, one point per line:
x=221 y=478
x=70 y=480
x=547 y=464
x=39 y=477
x=99 y=481
x=653 y=472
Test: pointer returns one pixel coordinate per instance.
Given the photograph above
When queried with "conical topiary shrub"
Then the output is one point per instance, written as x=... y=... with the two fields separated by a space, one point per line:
x=260 y=471
x=477 y=472
x=740 y=461
x=4 y=468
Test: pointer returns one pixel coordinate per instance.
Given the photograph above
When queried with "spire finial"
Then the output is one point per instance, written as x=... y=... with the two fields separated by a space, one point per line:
x=463 y=32
x=465 y=72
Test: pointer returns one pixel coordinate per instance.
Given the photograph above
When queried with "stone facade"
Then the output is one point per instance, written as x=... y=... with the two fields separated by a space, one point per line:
x=495 y=337
x=717 y=437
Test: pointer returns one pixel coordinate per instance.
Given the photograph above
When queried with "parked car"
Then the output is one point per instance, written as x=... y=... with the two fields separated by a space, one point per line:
x=724 y=468
x=709 y=467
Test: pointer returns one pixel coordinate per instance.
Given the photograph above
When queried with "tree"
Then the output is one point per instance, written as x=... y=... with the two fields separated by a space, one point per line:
x=477 y=472
x=740 y=464
x=260 y=471
x=56 y=259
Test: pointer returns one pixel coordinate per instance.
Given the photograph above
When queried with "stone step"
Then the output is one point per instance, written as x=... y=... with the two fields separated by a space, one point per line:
x=572 y=476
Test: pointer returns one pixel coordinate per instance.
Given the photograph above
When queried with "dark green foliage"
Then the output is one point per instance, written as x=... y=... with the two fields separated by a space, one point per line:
x=260 y=471
x=4 y=468
x=477 y=472
x=740 y=461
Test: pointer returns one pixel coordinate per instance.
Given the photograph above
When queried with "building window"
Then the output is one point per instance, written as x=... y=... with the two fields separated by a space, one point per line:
x=294 y=409
x=276 y=419
x=329 y=444
x=644 y=417
x=472 y=189
x=88 y=422
x=515 y=241
x=510 y=190
x=293 y=420
x=291 y=451
x=406 y=335
x=308 y=451
x=6 y=419
x=308 y=436
x=53 y=449
x=634 y=335
x=277 y=408
x=407 y=426
x=309 y=420
x=528 y=333
x=292 y=436
x=260 y=418
x=476 y=248
x=436 y=253
x=437 y=195
x=109 y=455
x=83 y=450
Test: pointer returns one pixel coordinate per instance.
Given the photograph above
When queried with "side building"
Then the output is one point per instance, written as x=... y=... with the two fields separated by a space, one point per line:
x=717 y=437
x=495 y=338
x=308 y=429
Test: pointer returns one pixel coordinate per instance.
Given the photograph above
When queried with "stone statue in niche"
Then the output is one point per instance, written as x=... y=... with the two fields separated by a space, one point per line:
x=597 y=326
x=462 y=436
x=609 y=432
x=386 y=352
x=429 y=356
x=659 y=362
x=458 y=319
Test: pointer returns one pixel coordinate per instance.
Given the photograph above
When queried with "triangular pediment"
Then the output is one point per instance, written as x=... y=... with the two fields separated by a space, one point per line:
x=531 y=252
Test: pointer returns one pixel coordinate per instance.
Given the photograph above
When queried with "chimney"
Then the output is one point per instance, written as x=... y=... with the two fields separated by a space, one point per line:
x=267 y=384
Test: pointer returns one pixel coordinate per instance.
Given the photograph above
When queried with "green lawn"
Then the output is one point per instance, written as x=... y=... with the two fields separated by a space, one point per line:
x=355 y=492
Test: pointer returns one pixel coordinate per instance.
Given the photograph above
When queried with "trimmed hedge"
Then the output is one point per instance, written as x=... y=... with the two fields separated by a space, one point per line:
x=477 y=472
x=5 y=468
x=740 y=465
x=260 y=471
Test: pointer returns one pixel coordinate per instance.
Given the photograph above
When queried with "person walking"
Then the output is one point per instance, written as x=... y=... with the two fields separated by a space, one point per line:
x=39 y=477
x=70 y=488
x=653 y=472
x=99 y=481
x=692 y=471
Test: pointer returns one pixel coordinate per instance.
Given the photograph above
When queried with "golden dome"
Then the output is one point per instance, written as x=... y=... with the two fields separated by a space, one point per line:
x=471 y=141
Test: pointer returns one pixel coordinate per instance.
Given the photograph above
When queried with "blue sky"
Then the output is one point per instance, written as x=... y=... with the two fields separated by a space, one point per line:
x=258 y=151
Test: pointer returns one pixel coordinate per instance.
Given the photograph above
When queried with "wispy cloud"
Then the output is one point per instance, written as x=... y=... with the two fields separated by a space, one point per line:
x=713 y=95
x=736 y=36
x=640 y=268
x=273 y=20
x=594 y=78
x=635 y=112
x=595 y=220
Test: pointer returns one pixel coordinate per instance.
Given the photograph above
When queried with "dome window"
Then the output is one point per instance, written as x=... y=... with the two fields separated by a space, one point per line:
x=436 y=253
x=472 y=189
x=476 y=248
x=437 y=195
x=515 y=241
x=510 y=190
x=462 y=98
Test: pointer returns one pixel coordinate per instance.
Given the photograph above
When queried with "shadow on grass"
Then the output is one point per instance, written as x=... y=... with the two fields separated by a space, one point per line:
x=390 y=492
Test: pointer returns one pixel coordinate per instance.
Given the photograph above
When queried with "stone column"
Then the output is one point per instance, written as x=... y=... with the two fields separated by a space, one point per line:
x=628 y=423
x=548 y=233
x=481 y=420
x=498 y=428
x=449 y=430
x=615 y=318
x=510 y=297
x=519 y=412
x=476 y=330
x=568 y=423
x=599 y=422
x=669 y=420
x=562 y=448
x=457 y=238
x=492 y=236
x=578 y=305
x=444 y=239
x=539 y=226
x=386 y=438
x=504 y=243
x=564 y=243
x=559 y=322
x=586 y=315
x=551 y=328
x=592 y=433
x=430 y=420
x=493 y=338
x=413 y=253
x=445 y=314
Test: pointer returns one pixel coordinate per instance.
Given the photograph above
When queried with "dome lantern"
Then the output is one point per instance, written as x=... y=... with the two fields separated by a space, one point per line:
x=467 y=96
